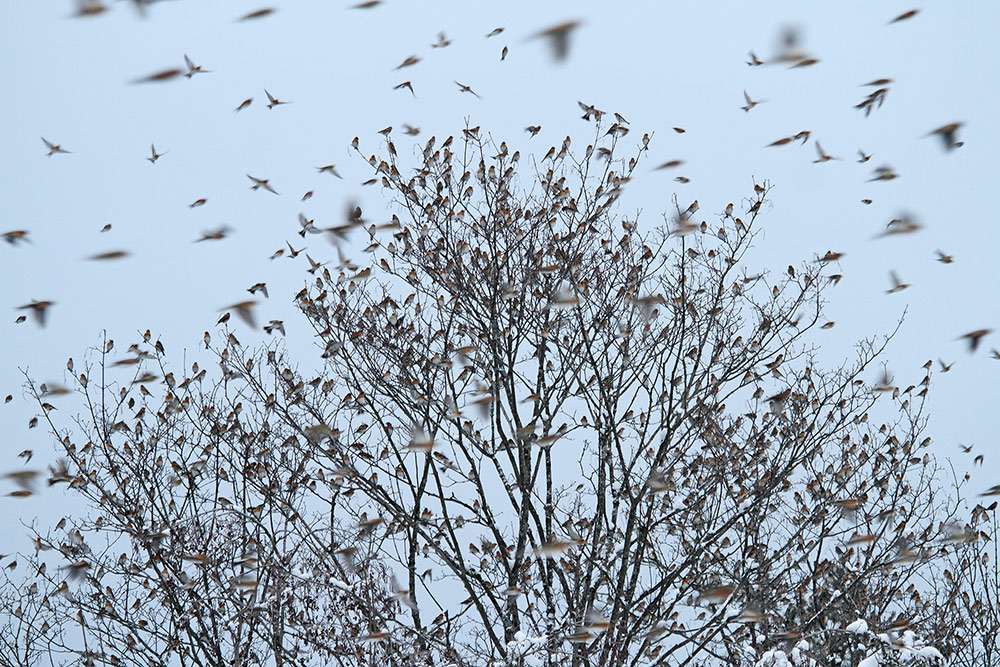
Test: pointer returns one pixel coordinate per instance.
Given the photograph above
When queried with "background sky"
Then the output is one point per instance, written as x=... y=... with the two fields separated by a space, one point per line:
x=660 y=65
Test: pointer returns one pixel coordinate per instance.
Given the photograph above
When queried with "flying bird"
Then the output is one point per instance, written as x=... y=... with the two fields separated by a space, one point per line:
x=750 y=103
x=261 y=183
x=53 y=148
x=39 y=309
x=244 y=104
x=244 y=309
x=904 y=16
x=154 y=155
x=466 y=89
x=329 y=169
x=558 y=36
x=192 y=68
x=258 y=14
x=161 y=76
x=272 y=101
x=15 y=236
x=948 y=134
x=974 y=337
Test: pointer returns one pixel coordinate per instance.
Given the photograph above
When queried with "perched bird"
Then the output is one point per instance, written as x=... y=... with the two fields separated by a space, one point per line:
x=154 y=155
x=272 y=101
x=948 y=133
x=558 y=36
x=53 y=148
x=39 y=309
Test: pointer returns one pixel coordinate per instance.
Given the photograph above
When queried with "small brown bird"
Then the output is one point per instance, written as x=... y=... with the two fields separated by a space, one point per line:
x=405 y=84
x=410 y=131
x=558 y=36
x=943 y=258
x=863 y=157
x=442 y=41
x=198 y=202
x=671 y=164
x=39 y=309
x=261 y=183
x=466 y=89
x=53 y=148
x=409 y=62
x=750 y=103
x=161 y=76
x=369 y=4
x=154 y=155
x=503 y=54
x=494 y=32
x=272 y=101
x=823 y=157
x=244 y=309
x=15 y=236
x=113 y=254
x=781 y=142
x=974 y=337
x=948 y=133
x=533 y=129
x=883 y=173
x=215 y=235
x=897 y=284
x=329 y=169
x=259 y=287
x=754 y=60
x=258 y=14
x=192 y=68
x=244 y=104
x=904 y=16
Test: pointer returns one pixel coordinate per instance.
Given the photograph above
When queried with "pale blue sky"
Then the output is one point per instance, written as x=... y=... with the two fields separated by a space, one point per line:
x=658 y=64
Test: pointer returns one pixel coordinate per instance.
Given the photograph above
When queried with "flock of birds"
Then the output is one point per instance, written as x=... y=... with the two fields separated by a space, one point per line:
x=559 y=39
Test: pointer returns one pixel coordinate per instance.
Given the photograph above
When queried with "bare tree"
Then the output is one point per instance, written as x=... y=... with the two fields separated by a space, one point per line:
x=532 y=433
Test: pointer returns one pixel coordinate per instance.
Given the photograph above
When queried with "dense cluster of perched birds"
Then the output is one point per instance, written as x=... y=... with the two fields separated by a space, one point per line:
x=559 y=39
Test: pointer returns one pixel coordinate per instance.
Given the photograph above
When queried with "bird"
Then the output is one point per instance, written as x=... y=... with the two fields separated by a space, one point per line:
x=897 y=284
x=410 y=131
x=53 y=148
x=259 y=287
x=823 y=157
x=244 y=104
x=161 y=76
x=948 y=134
x=329 y=169
x=110 y=255
x=943 y=258
x=533 y=129
x=441 y=42
x=257 y=14
x=904 y=16
x=154 y=155
x=494 y=32
x=215 y=235
x=275 y=324
x=408 y=62
x=192 y=68
x=754 y=60
x=15 y=236
x=405 y=84
x=974 y=337
x=863 y=157
x=261 y=183
x=244 y=309
x=750 y=103
x=198 y=202
x=558 y=36
x=945 y=367
x=466 y=89
x=39 y=309
x=883 y=173
x=272 y=101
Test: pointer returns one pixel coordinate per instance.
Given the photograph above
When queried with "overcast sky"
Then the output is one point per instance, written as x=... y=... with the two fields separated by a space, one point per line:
x=659 y=64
